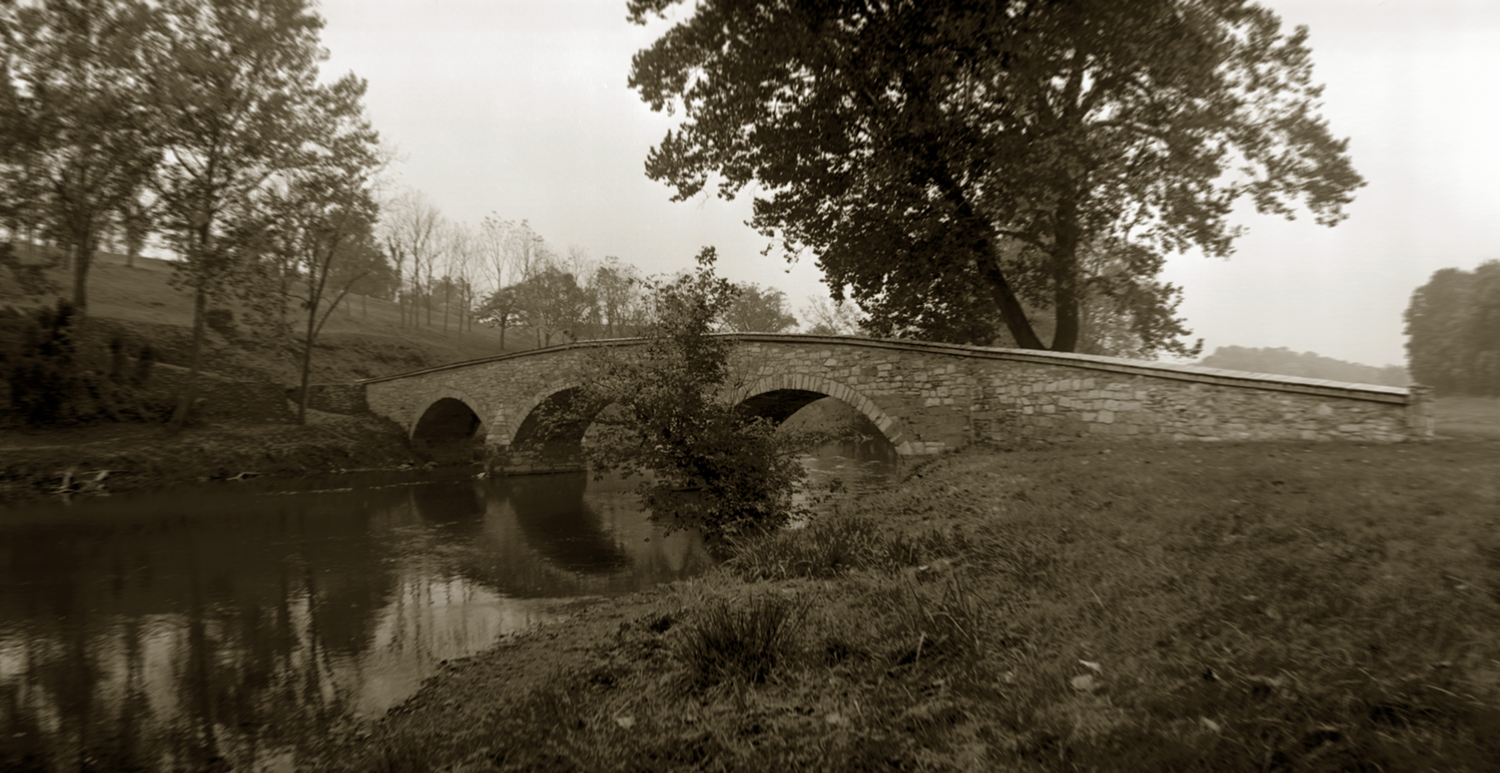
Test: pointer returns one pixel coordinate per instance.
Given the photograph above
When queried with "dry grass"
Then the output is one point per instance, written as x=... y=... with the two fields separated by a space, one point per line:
x=1237 y=607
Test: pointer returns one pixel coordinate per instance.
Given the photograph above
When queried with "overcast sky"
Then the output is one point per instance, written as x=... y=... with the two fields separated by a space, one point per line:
x=520 y=108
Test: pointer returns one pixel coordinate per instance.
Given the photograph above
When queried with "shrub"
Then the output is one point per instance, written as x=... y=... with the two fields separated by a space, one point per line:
x=222 y=322
x=706 y=464
x=42 y=367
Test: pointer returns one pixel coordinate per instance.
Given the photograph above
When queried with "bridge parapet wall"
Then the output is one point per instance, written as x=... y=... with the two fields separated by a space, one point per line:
x=929 y=398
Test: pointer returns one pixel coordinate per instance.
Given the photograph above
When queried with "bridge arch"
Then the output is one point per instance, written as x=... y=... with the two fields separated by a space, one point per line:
x=449 y=424
x=435 y=400
x=507 y=423
x=779 y=396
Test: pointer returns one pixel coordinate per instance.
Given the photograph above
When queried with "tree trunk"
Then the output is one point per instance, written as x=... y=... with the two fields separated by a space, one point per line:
x=190 y=389
x=1003 y=294
x=1005 y=297
x=307 y=347
x=1065 y=276
x=83 y=259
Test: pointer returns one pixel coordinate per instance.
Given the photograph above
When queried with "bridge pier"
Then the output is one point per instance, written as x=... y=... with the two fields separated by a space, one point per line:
x=504 y=460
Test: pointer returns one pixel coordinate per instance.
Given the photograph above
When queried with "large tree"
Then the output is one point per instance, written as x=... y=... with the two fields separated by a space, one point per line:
x=234 y=94
x=950 y=162
x=74 y=118
x=324 y=218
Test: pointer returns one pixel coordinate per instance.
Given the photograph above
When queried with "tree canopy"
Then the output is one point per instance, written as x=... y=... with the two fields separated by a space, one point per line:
x=74 y=144
x=757 y=309
x=1453 y=331
x=954 y=164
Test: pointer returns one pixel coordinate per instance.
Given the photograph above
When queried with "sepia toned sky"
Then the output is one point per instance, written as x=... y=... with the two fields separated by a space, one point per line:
x=520 y=108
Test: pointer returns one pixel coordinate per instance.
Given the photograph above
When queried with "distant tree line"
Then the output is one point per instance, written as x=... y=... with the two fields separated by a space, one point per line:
x=1285 y=362
x=504 y=275
x=1453 y=331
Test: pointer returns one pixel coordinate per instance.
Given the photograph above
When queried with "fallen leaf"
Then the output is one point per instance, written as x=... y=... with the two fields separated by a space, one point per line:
x=1095 y=667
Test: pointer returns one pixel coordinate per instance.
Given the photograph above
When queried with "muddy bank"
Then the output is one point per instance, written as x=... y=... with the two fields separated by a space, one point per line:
x=142 y=456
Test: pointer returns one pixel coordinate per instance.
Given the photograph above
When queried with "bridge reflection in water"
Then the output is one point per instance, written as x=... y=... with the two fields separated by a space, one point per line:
x=167 y=631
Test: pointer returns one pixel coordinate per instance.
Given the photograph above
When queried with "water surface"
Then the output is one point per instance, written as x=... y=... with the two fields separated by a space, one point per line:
x=220 y=626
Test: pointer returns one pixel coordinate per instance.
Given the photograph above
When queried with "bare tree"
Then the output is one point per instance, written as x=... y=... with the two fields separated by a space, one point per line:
x=409 y=230
x=822 y=316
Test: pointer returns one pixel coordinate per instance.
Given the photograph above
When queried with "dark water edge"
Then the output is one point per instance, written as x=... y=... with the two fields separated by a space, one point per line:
x=218 y=627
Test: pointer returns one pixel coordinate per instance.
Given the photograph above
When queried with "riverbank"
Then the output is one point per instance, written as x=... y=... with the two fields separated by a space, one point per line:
x=1184 y=607
x=142 y=456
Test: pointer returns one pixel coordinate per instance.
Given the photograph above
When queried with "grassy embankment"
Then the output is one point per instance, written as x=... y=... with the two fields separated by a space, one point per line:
x=1178 y=607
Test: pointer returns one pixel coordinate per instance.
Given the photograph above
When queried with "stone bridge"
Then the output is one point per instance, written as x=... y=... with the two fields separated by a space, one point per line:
x=924 y=398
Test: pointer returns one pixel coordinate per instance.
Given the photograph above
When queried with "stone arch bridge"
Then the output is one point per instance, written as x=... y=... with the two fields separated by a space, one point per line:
x=925 y=398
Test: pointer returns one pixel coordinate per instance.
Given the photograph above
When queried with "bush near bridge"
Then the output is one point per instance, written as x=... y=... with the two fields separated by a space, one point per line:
x=705 y=464
x=1236 y=607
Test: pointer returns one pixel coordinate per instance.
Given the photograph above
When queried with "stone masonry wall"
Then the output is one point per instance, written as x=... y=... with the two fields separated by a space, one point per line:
x=929 y=398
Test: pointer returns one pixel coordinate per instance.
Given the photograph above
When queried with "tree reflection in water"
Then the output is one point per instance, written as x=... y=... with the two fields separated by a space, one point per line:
x=203 y=628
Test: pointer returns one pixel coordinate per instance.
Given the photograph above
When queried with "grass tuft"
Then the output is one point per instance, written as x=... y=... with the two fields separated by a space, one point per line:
x=741 y=640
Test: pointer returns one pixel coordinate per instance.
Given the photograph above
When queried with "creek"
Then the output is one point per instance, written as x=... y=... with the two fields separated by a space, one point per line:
x=220 y=627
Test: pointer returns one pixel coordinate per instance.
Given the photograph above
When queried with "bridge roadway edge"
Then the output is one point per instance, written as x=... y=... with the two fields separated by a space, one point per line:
x=919 y=392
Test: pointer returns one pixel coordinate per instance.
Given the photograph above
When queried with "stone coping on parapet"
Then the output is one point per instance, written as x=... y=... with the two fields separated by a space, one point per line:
x=1168 y=370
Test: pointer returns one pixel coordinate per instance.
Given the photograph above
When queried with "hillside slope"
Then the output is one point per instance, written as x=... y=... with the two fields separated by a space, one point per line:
x=363 y=339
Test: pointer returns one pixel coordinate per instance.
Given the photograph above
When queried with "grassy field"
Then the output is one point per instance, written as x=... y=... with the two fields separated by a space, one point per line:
x=1468 y=417
x=1227 y=607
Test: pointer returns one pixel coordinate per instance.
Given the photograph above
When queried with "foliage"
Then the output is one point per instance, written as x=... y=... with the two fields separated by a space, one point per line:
x=1286 y=362
x=710 y=466
x=615 y=287
x=74 y=143
x=47 y=373
x=221 y=321
x=1453 y=331
x=759 y=309
x=551 y=302
x=949 y=162
x=322 y=223
x=254 y=66
x=30 y=277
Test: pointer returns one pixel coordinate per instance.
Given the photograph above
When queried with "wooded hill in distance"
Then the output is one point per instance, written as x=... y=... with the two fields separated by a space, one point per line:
x=1285 y=362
